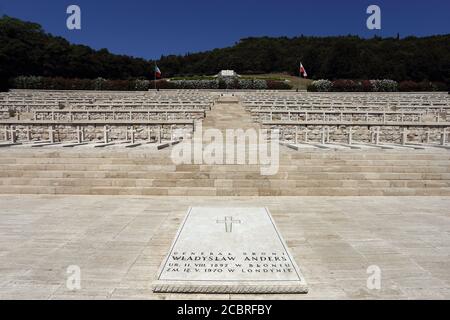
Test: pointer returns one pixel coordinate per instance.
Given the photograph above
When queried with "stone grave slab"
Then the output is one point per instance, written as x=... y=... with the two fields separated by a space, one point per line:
x=229 y=250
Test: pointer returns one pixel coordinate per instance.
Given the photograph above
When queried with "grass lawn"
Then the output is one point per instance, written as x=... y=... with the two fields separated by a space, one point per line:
x=295 y=82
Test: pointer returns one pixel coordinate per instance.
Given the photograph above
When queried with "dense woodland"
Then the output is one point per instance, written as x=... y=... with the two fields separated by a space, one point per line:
x=26 y=49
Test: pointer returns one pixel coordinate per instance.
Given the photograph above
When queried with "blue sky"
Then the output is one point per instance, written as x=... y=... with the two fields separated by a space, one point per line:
x=148 y=28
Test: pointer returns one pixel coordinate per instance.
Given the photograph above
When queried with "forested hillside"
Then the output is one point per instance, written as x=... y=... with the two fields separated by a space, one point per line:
x=26 y=49
x=347 y=57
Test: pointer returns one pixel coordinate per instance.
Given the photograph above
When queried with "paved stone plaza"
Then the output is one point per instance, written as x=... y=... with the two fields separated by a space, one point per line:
x=119 y=243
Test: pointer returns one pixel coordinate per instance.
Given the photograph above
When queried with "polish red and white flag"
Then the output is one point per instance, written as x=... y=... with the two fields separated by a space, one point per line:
x=303 y=71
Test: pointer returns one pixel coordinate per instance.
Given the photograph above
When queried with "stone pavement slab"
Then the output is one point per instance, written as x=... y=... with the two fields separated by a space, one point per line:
x=118 y=242
x=229 y=250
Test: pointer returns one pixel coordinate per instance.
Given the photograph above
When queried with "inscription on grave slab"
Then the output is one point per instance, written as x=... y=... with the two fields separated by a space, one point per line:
x=229 y=250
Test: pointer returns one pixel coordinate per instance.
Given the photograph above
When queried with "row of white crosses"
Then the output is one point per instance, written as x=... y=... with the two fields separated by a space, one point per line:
x=324 y=135
x=336 y=98
x=10 y=134
x=374 y=135
x=86 y=114
x=130 y=134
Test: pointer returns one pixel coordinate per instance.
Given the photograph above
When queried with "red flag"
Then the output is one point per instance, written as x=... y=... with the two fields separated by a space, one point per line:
x=303 y=71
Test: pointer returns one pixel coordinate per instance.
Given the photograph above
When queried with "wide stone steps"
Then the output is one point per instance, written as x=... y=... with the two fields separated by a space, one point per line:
x=184 y=191
x=19 y=156
x=222 y=183
x=169 y=172
x=324 y=173
x=61 y=171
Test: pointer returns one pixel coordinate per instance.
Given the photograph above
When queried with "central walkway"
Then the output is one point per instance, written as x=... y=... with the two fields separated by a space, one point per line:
x=229 y=113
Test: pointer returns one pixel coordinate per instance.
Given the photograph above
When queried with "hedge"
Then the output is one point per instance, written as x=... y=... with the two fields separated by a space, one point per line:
x=32 y=82
x=410 y=86
x=44 y=83
x=345 y=85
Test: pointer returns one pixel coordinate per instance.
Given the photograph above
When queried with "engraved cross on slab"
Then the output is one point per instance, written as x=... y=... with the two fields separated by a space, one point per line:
x=229 y=255
x=228 y=221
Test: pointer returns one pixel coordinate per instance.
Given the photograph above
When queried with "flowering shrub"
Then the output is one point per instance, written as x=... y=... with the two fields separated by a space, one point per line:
x=384 y=85
x=320 y=86
x=345 y=85
x=366 y=86
x=245 y=84
x=260 y=84
x=141 y=85
x=195 y=84
x=28 y=82
x=230 y=83
x=99 y=84
x=79 y=84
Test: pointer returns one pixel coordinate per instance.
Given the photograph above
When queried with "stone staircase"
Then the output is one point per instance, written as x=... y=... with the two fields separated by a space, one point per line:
x=89 y=171
x=317 y=173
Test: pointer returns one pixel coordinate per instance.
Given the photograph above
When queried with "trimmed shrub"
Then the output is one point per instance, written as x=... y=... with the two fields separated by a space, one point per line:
x=259 y=84
x=440 y=86
x=384 y=85
x=141 y=85
x=231 y=83
x=32 y=82
x=412 y=86
x=195 y=84
x=408 y=86
x=345 y=85
x=425 y=86
x=161 y=84
x=99 y=84
x=366 y=86
x=320 y=86
x=278 y=85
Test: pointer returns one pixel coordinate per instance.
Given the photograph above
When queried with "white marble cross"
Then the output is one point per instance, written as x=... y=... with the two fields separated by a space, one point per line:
x=306 y=130
x=350 y=135
x=13 y=134
x=51 y=134
x=444 y=137
x=228 y=221
x=79 y=133
x=205 y=259
x=404 y=136
x=28 y=131
x=132 y=132
x=106 y=131
x=377 y=136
